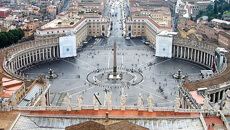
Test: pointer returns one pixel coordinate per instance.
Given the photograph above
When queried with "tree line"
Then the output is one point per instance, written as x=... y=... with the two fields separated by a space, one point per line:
x=11 y=37
x=215 y=11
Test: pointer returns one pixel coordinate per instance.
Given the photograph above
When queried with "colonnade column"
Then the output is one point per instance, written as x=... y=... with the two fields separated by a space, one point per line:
x=24 y=60
x=39 y=53
x=195 y=58
x=54 y=53
x=57 y=51
x=50 y=52
x=214 y=96
x=185 y=49
x=30 y=56
x=177 y=54
x=201 y=57
x=188 y=54
x=198 y=56
x=43 y=52
x=174 y=49
x=218 y=99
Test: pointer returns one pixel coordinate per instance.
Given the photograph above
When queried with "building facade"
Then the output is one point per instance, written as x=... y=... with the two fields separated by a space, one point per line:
x=87 y=26
x=144 y=27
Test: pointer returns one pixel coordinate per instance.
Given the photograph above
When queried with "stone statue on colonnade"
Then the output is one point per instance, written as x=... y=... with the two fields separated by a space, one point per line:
x=177 y=103
x=206 y=103
x=123 y=101
x=150 y=100
x=140 y=102
x=109 y=100
x=67 y=100
x=43 y=100
x=79 y=101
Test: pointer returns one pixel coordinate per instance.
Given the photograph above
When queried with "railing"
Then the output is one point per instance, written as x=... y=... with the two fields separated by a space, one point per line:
x=91 y=107
x=224 y=119
x=203 y=122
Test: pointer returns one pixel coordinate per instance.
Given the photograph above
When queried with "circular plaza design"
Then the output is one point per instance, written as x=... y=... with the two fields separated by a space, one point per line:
x=127 y=77
x=142 y=72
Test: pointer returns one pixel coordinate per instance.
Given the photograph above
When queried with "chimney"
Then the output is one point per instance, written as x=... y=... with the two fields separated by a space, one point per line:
x=107 y=117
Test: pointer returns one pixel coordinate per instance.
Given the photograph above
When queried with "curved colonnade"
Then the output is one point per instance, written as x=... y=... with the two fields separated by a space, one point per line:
x=195 y=53
x=204 y=55
x=29 y=53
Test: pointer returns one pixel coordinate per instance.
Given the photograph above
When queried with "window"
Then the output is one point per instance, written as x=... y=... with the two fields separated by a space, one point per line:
x=129 y=27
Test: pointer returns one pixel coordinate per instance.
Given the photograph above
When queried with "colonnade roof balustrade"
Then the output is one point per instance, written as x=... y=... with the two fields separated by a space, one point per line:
x=215 y=80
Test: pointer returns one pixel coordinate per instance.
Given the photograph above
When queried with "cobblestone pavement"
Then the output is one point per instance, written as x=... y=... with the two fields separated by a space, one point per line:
x=72 y=73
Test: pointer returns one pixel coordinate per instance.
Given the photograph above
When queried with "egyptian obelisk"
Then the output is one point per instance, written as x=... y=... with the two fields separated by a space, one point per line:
x=115 y=60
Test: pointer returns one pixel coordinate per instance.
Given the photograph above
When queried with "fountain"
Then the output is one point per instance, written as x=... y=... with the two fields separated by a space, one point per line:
x=51 y=74
x=178 y=75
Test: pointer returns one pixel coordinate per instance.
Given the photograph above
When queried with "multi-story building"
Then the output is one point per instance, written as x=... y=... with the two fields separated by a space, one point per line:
x=52 y=10
x=219 y=23
x=4 y=12
x=224 y=38
x=189 y=27
x=144 y=27
x=82 y=27
x=199 y=6
x=29 y=29
x=12 y=88
x=161 y=15
x=207 y=29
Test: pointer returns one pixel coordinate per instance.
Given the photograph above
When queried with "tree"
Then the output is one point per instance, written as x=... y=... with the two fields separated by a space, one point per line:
x=16 y=35
x=21 y=33
x=10 y=37
x=210 y=7
x=3 y=40
x=215 y=10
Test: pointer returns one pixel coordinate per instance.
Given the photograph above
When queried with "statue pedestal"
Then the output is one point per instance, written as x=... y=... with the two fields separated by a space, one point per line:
x=109 y=107
x=96 y=107
x=112 y=77
x=78 y=108
x=122 y=108
x=140 y=108
x=68 y=108
x=150 y=109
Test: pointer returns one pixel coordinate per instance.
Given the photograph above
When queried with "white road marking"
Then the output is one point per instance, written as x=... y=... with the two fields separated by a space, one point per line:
x=86 y=63
x=122 y=61
x=72 y=88
x=76 y=64
x=108 y=61
x=83 y=90
x=153 y=94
